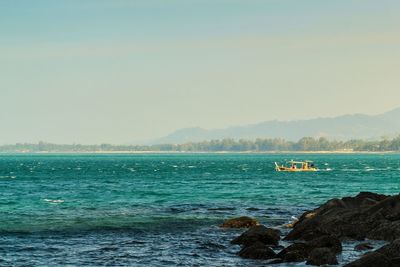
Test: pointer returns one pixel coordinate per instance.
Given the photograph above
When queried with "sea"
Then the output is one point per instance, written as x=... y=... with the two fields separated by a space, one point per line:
x=165 y=209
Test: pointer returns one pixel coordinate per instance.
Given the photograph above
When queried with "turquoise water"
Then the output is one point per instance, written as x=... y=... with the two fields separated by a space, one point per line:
x=162 y=210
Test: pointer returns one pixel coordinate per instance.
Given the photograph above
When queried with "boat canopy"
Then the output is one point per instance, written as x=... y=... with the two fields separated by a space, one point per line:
x=300 y=162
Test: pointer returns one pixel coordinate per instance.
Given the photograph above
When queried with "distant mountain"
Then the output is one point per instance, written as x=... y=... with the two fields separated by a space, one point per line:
x=342 y=128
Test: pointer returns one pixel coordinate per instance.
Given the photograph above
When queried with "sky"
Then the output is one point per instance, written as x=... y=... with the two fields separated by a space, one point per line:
x=119 y=71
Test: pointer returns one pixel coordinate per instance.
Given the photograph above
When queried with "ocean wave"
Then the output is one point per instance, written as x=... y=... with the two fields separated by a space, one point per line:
x=54 y=201
x=8 y=177
x=325 y=170
x=129 y=223
x=351 y=170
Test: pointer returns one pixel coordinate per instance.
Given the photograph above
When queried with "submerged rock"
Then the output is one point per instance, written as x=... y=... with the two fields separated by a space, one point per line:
x=260 y=233
x=257 y=250
x=241 y=222
x=322 y=256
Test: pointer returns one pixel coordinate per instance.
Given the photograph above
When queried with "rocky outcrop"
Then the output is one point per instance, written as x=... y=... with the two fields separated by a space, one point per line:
x=303 y=251
x=367 y=215
x=388 y=255
x=317 y=233
x=295 y=253
x=326 y=241
x=241 y=222
x=257 y=250
x=257 y=242
x=322 y=256
x=261 y=234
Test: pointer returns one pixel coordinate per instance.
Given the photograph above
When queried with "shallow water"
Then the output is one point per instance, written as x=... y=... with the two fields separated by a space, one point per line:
x=163 y=210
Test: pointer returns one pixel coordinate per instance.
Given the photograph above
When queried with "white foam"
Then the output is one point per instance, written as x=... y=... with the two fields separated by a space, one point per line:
x=54 y=200
x=8 y=177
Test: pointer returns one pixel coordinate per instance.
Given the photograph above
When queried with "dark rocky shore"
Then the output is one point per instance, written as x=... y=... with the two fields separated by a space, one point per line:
x=316 y=237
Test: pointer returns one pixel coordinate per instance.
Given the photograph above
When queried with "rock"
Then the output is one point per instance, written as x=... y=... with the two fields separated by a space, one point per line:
x=302 y=251
x=391 y=250
x=322 y=256
x=318 y=232
x=326 y=241
x=293 y=223
x=395 y=261
x=260 y=233
x=295 y=252
x=295 y=256
x=367 y=215
x=276 y=261
x=257 y=250
x=388 y=255
x=363 y=246
x=372 y=259
x=241 y=222
x=278 y=247
x=309 y=215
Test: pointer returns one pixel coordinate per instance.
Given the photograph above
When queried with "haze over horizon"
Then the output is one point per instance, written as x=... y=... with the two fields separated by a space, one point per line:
x=119 y=71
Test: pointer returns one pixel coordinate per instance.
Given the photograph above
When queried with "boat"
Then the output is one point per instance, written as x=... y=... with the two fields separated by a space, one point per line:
x=297 y=166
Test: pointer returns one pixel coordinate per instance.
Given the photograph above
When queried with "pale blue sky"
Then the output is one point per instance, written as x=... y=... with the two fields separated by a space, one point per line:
x=118 y=71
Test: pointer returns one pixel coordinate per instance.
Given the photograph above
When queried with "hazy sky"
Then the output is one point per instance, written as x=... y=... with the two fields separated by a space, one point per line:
x=93 y=71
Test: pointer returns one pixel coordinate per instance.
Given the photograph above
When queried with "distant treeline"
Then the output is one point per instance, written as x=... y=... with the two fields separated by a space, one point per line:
x=230 y=145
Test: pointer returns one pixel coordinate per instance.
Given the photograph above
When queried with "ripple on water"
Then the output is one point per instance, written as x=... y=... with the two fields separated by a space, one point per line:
x=107 y=215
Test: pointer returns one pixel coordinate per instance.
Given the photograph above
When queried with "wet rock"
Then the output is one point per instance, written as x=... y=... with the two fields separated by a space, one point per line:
x=257 y=250
x=395 y=261
x=372 y=259
x=391 y=250
x=278 y=247
x=326 y=241
x=388 y=255
x=318 y=232
x=367 y=215
x=260 y=233
x=363 y=246
x=292 y=224
x=295 y=252
x=302 y=251
x=276 y=261
x=295 y=256
x=322 y=256
x=241 y=222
